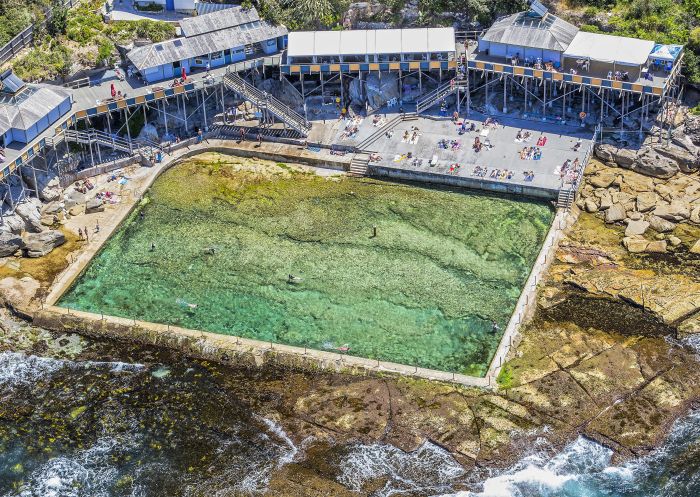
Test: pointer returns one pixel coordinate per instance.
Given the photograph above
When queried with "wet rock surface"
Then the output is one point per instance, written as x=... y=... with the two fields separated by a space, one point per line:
x=40 y=244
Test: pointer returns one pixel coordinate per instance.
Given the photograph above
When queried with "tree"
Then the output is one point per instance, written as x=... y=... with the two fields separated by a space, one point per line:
x=58 y=22
x=313 y=12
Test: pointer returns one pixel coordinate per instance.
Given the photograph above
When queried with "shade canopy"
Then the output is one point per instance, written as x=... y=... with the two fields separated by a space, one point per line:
x=370 y=41
x=668 y=53
x=608 y=48
x=528 y=29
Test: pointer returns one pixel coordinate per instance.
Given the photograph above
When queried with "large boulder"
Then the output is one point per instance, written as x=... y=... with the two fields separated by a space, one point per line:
x=356 y=89
x=590 y=205
x=651 y=163
x=695 y=215
x=623 y=157
x=74 y=198
x=10 y=243
x=40 y=244
x=676 y=211
x=660 y=225
x=46 y=184
x=635 y=244
x=149 y=132
x=603 y=178
x=656 y=247
x=646 y=201
x=615 y=213
x=691 y=129
x=633 y=183
x=52 y=208
x=30 y=212
x=636 y=227
x=381 y=89
x=687 y=161
x=644 y=161
x=12 y=224
x=695 y=249
x=94 y=205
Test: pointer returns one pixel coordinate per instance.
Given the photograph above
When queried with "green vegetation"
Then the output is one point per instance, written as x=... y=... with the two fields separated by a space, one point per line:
x=151 y=7
x=505 y=377
x=79 y=38
x=15 y=15
x=48 y=60
x=305 y=14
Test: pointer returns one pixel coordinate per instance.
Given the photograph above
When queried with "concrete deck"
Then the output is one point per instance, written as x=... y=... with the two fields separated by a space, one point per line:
x=504 y=156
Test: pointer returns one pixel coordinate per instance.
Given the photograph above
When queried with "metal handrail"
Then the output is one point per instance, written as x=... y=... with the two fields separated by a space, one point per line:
x=268 y=101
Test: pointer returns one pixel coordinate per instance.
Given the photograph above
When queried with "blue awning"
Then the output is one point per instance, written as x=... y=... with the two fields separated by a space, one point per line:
x=665 y=52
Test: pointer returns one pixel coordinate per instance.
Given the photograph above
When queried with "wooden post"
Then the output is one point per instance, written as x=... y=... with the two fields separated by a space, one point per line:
x=204 y=111
x=184 y=113
x=126 y=123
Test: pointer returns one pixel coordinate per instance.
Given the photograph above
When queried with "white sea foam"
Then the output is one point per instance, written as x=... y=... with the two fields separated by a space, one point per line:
x=17 y=368
x=427 y=469
x=292 y=449
x=21 y=369
x=89 y=472
x=583 y=469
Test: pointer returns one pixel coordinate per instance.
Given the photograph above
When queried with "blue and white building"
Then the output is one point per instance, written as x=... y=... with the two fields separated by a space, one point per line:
x=213 y=40
x=26 y=110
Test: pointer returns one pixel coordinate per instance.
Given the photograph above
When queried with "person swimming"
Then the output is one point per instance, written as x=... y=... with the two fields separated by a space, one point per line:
x=184 y=303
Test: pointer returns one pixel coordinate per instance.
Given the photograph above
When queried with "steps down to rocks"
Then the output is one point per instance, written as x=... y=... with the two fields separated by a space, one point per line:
x=359 y=165
x=565 y=198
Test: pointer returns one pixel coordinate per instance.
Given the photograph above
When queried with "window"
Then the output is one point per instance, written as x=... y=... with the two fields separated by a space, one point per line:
x=199 y=62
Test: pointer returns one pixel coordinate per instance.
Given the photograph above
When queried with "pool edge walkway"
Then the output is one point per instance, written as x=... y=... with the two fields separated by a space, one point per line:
x=221 y=347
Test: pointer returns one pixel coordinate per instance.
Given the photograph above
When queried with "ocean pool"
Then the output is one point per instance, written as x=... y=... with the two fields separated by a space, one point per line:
x=214 y=243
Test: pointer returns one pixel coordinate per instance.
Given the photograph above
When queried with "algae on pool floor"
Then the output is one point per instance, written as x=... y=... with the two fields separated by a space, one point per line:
x=228 y=232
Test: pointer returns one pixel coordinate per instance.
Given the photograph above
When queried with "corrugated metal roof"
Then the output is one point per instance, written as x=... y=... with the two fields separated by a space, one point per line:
x=526 y=29
x=204 y=8
x=180 y=49
x=370 y=41
x=216 y=21
x=30 y=105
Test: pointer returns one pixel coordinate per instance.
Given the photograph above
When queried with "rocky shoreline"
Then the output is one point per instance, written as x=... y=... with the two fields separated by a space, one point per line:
x=600 y=358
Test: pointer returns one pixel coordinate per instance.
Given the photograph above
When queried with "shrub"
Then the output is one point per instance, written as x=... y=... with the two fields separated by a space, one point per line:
x=58 y=23
x=47 y=61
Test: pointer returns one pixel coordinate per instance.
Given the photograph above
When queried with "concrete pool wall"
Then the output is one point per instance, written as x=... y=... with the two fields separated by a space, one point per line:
x=248 y=352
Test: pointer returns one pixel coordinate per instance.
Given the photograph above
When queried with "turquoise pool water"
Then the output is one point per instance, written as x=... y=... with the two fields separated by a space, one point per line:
x=228 y=232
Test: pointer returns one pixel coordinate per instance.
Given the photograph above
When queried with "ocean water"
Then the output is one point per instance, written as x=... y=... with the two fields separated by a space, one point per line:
x=116 y=429
x=108 y=429
x=213 y=245
x=584 y=469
